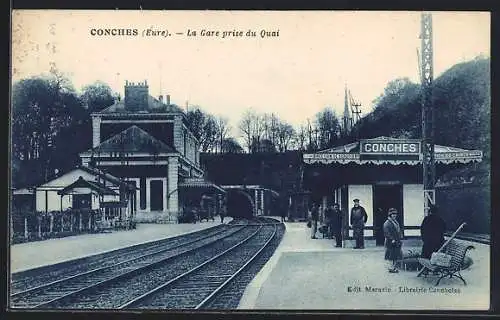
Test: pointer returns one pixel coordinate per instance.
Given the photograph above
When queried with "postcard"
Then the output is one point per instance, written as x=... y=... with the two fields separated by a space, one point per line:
x=250 y=160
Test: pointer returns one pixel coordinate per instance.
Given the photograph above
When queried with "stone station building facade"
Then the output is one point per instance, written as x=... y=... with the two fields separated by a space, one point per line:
x=147 y=142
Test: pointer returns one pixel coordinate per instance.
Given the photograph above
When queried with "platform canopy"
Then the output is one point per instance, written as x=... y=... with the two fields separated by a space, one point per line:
x=199 y=183
x=386 y=150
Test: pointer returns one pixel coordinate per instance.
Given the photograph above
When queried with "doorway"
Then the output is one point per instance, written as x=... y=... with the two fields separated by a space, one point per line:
x=385 y=197
x=82 y=201
x=156 y=195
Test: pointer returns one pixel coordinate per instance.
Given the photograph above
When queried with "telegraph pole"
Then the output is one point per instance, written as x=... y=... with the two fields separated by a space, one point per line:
x=426 y=67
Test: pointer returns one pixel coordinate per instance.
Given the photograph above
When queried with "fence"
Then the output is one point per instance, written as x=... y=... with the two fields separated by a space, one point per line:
x=31 y=226
x=465 y=203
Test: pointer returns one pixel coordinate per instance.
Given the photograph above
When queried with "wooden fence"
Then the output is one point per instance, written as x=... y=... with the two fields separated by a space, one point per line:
x=30 y=226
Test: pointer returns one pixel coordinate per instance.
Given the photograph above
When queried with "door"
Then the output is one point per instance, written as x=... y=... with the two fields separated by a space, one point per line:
x=385 y=197
x=156 y=195
x=82 y=201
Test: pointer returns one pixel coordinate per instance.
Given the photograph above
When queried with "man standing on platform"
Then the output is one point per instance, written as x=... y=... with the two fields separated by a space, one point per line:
x=329 y=221
x=358 y=220
x=314 y=219
x=337 y=225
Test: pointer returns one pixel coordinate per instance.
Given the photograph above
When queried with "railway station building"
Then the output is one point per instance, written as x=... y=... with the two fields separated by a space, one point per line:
x=86 y=188
x=382 y=173
x=146 y=141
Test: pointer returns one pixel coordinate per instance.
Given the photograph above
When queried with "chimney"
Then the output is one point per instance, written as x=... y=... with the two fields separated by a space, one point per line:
x=168 y=99
x=136 y=96
x=160 y=98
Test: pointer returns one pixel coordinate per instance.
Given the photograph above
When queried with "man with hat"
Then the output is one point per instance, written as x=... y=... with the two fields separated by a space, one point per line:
x=358 y=220
x=393 y=237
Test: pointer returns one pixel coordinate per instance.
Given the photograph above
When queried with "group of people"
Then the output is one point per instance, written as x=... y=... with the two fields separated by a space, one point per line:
x=333 y=222
x=432 y=230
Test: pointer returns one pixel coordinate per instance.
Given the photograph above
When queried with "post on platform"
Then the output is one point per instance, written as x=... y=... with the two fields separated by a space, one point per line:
x=428 y=160
x=26 y=228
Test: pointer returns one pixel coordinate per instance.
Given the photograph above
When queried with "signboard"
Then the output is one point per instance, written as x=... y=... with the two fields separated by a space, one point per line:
x=383 y=147
x=332 y=156
x=458 y=155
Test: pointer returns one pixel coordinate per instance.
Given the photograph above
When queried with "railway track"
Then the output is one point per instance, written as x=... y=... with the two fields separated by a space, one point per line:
x=199 y=286
x=200 y=267
x=32 y=278
x=65 y=287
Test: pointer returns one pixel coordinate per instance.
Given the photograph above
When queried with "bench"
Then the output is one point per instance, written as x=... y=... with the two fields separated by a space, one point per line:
x=457 y=251
x=103 y=226
x=125 y=224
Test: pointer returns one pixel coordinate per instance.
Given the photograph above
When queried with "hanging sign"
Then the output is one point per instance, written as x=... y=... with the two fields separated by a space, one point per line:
x=331 y=156
x=469 y=155
x=384 y=147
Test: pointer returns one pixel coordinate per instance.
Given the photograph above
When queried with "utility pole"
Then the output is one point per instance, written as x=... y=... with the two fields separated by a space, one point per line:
x=426 y=70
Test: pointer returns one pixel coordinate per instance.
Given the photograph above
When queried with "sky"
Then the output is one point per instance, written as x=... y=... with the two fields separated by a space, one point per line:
x=294 y=75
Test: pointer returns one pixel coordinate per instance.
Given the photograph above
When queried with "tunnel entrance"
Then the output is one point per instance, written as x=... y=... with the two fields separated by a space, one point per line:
x=239 y=204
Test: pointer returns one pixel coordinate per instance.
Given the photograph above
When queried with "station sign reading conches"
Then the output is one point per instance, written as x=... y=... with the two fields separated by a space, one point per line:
x=401 y=147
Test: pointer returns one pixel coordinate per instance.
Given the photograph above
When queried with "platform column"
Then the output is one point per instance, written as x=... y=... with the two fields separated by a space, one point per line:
x=96 y=131
x=173 y=193
x=262 y=201
x=148 y=194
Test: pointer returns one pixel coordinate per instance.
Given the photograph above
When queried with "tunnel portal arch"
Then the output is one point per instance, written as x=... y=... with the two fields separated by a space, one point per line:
x=240 y=204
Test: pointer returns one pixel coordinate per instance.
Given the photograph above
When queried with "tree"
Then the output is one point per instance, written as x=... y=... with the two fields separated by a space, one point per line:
x=97 y=96
x=196 y=119
x=263 y=146
x=328 y=127
x=285 y=136
x=209 y=134
x=252 y=127
x=204 y=128
x=230 y=145
x=301 y=138
x=42 y=108
x=222 y=128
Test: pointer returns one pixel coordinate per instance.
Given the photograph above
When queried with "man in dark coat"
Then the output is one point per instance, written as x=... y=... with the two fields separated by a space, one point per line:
x=337 y=225
x=393 y=237
x=432 y=232
x=358 y=220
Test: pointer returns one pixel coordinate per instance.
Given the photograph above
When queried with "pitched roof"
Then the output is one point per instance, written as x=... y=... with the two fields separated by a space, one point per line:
x=131 y=140
x=82 y=183
x=154 y=106
x=107 y=176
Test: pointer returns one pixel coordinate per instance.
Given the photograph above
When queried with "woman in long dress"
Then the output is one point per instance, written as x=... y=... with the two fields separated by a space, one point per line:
x=393 y=240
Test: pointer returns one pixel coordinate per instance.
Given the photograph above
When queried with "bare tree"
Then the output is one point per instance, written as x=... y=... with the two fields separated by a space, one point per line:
x=285 y=136
x=246 y=127
x=222 y=128
x=301 y=138
x=252 y=127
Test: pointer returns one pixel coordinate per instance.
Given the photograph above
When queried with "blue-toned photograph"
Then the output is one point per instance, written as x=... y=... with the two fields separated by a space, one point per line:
x=249 y=160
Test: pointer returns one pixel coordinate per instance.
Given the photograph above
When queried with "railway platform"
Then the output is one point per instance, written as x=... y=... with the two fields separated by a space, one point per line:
x=311 y=274
x=30 y=255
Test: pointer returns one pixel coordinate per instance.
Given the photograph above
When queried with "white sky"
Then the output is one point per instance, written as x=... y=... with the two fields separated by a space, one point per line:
x=294 y=75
